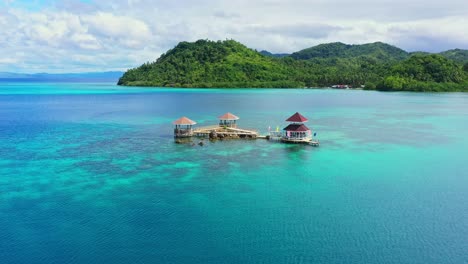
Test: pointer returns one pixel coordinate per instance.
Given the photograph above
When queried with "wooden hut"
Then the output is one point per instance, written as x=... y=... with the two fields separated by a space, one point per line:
x=296 y=131
x=183 y=127
x=228 y=120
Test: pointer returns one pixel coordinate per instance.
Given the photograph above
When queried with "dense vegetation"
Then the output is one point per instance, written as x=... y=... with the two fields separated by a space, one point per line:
x=230 y=64
x=426 y=73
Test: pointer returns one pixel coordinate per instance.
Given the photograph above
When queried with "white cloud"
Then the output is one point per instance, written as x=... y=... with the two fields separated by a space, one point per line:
x=85 y=41
x=431 y=35
x=8 y=60
x=73 y=36
x=132 y=32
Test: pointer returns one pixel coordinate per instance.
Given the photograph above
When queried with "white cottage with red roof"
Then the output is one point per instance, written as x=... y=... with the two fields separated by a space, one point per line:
x=296 y=131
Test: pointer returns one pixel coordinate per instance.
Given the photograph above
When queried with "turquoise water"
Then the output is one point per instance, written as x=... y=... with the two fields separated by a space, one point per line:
x=89 y=173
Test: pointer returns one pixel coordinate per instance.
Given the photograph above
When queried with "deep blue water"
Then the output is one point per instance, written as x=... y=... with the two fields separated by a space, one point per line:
x=90 y=173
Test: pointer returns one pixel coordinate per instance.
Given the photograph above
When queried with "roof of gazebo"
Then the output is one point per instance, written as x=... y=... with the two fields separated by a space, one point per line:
x=298 y=118
x=184 y=121
x=228 y=116
x=296 y=128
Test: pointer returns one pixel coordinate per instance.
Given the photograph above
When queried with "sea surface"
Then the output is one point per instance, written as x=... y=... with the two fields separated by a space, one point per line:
x=90 y=173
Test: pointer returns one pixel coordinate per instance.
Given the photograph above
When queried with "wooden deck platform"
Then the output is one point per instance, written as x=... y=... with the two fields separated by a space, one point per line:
x=277 y=136
x=307 y=141
x=225 y=132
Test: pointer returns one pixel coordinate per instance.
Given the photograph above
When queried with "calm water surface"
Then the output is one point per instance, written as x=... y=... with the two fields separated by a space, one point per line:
x=90 y=174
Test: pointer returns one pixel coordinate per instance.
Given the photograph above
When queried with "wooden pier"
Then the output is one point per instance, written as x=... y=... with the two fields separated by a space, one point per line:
x=296 y=132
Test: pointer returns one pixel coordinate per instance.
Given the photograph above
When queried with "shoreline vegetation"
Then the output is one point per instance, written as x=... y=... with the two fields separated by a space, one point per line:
x=375 y=66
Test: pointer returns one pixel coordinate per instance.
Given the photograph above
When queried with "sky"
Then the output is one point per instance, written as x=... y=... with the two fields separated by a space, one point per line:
x=90 y=35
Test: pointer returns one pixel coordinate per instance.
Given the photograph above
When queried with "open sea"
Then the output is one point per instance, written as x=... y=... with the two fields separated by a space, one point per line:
x=90 y=173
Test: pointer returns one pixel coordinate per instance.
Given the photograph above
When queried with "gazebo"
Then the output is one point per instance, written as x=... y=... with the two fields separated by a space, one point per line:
x=183 y=127
x=296 y=131
x=228 y=120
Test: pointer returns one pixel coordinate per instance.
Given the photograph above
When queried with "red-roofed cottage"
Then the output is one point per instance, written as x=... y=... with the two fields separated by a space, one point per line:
x=228 y=120
x=183 y=127
x=296 y=131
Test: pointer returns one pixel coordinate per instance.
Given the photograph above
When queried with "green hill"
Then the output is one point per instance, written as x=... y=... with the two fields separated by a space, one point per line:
x=377 y=50
x=211 y=64
x=229 y=64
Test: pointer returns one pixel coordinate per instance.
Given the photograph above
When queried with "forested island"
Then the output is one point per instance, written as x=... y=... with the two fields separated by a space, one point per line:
x=230 y=64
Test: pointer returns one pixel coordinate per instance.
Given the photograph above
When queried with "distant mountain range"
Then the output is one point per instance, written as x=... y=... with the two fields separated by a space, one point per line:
x=110 y=76
x=377 y=65
x=274 y=55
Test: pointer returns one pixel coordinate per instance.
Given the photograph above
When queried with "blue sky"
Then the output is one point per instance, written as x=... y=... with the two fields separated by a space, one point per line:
x=87 y=35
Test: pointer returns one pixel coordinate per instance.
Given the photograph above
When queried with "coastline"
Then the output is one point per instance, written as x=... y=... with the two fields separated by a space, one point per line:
x=242 y=87
x=298 y=88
